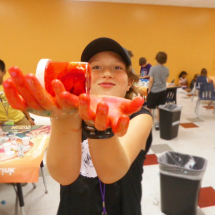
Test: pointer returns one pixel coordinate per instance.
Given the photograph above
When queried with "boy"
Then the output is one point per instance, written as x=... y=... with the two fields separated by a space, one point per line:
x=145 y=67
x=92 y=164
x=157 y=84
x=8 y=115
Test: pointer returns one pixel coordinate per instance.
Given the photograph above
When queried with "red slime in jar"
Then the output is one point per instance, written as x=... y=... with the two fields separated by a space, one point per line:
x=75 y=76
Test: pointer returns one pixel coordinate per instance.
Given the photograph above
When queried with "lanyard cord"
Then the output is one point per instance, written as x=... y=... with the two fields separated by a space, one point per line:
x=103 y=197
x=6 y=110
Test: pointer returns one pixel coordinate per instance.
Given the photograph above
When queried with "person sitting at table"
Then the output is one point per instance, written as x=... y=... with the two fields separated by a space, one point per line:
x=144 y=68
x=157 y=84
x=183 y=81
x=8 y=115
x=193 y=82
x=193 y=85
x=204 y=72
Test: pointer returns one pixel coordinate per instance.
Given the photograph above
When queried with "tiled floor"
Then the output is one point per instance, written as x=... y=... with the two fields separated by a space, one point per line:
x=188 y=125
x=195 y=119
x=198 y=141
x=210 y=107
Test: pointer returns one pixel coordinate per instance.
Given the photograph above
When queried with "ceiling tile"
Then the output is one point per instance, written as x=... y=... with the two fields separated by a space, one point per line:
x=121 y=1
x=185 y=3
x=164 y=2
x=80 y=0
x=203 y=4
x=143 y=1
x=100 y=0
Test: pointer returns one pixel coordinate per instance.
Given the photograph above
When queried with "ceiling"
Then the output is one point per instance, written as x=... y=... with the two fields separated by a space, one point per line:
x=181 y=3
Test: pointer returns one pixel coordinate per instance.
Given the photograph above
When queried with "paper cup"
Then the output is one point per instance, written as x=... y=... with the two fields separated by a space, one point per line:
x=25 y=141
x=7 y=147
x=13 y=139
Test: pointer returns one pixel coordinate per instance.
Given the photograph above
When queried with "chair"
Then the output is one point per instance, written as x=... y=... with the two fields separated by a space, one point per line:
x=199 y=81
x=206 y=93
x=171 y=95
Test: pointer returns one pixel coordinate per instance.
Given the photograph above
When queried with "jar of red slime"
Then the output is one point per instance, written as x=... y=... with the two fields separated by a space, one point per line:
x=75 y=76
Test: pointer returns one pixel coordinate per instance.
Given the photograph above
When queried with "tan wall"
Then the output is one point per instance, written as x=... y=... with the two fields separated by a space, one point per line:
x=60 y=29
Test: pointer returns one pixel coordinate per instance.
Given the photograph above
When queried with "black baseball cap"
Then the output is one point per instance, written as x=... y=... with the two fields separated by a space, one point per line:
x=104 y=44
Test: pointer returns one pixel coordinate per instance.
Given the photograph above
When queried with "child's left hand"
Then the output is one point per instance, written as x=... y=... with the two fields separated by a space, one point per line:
x=108 y=111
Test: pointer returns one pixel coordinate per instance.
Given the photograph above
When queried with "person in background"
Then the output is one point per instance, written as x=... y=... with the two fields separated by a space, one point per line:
x=157 y=84
x=193 y=82
x=8 y=115
x=204 y=72
x=193 y=86
x=130 y=53
x=183 y=81
x=144 y=68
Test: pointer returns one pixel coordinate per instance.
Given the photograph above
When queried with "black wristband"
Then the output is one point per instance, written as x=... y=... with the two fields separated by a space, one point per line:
x=92 y=133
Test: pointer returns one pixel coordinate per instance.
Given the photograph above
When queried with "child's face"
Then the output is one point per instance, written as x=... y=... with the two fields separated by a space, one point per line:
x=2 y=73
x=184 y=76
x=109 y=76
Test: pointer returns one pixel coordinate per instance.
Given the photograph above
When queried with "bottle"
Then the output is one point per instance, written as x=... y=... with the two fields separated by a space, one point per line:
x=142 y=73
x=75 y=76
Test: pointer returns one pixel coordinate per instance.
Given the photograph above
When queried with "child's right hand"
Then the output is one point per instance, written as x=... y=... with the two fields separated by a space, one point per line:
x=26 y=93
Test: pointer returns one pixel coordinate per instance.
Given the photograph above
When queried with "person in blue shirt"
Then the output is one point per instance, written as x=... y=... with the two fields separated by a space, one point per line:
x=144 y=68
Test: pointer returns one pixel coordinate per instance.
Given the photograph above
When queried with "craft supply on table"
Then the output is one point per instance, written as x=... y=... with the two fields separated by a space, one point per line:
x=13 y=146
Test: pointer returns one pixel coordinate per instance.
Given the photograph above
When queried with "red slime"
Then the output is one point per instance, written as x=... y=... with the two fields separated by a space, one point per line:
x=76 y=77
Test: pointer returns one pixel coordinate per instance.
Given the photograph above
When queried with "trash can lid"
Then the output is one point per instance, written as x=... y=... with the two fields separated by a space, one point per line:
x=170 y=107
x=182 y=165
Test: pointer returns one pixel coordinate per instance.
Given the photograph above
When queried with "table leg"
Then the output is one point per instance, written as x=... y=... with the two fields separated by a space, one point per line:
x=21 y=199
x=16 y=206
x=210 y=103
x=44 y=180
x=197 y=110
x=153 y=115
x=34 y=185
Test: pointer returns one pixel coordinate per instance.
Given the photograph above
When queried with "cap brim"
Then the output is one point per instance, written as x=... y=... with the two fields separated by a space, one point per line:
x=104 y=44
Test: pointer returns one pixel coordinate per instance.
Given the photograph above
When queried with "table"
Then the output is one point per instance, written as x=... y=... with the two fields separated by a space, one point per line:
x=24 y=169
x=171 y=91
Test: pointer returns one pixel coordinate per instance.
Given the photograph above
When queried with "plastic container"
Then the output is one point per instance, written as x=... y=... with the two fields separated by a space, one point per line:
x=13 y=139
x=169 y=120
x=144 y=72
x=180 y=182
x=7 y=147
x=25 y=141
x=144 y=82
x=3 y=140
x=75 y=76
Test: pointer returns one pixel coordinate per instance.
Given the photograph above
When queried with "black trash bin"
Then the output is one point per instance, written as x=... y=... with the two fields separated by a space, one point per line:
x=180 y=182
x=169 y=120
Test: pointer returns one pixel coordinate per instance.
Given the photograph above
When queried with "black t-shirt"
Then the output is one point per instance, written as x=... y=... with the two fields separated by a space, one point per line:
x=122 y=197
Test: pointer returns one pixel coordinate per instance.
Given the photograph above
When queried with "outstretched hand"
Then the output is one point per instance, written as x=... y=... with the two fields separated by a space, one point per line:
x=26 y=93
x=108 y=111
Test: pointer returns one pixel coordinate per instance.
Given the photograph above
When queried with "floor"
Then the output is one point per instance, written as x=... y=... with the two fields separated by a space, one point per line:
x=195 y=137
